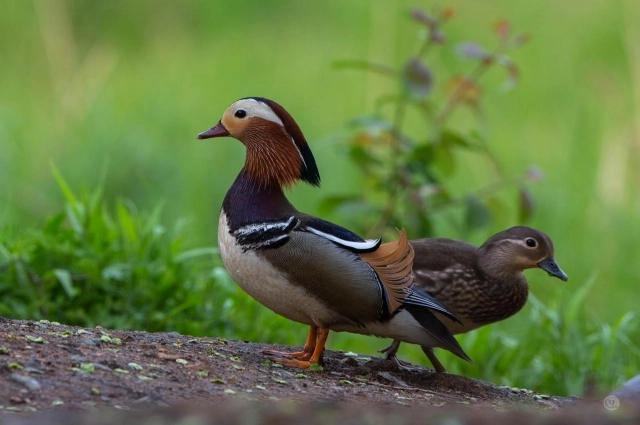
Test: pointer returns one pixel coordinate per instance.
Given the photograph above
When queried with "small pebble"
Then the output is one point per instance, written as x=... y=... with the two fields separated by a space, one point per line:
x=29 y=382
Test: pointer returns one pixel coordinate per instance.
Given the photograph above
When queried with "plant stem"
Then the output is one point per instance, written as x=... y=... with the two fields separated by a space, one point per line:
x=368 y=66
x=395 y=164
x=460 y=91
x=425 y=48
x=480 y=193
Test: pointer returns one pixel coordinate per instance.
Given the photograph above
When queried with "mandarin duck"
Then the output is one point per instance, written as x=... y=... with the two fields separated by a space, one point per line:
x=479 y=285
x=302 y=267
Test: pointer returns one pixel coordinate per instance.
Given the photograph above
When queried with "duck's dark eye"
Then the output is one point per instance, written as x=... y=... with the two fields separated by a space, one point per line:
x=530 y=242
x=240 y=113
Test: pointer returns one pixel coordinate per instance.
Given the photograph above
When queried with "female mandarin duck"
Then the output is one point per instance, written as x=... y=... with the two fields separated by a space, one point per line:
x=302 y=267
x=479 y=285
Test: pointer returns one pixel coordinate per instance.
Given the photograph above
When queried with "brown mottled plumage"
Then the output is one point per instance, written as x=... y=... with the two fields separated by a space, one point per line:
x=480 y=285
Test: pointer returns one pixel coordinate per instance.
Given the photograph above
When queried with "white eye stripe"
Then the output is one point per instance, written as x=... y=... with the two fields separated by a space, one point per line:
x=523 y=242
x=255 y=108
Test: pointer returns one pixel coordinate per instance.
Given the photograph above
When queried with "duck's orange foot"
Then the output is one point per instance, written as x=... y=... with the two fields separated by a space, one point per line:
x=305 y=354
x=298 y=355
x=292 y=362
x=310 y=355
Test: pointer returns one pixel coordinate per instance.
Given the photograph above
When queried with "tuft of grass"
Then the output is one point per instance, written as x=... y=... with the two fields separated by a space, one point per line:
x=113 y=266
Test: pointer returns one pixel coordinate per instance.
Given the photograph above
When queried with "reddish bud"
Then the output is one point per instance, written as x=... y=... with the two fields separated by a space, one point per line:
x=502 y=29
x=521 y=39
x=448 y=13
x=467 y=90
x=422 y=17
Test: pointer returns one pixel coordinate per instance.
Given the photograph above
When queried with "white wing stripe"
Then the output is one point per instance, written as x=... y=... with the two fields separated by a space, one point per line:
x=367 y=244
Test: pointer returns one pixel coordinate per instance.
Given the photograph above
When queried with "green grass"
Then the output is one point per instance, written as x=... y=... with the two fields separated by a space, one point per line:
x=114 y=94
x=92 y=265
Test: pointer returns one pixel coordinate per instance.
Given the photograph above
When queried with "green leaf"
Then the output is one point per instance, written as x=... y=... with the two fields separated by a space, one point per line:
x=75 y=215
x=576 y=302
x=4 y=251
x=499 y=209
x=62 y=184
x=53 y=224
x=423 y=153
x=477 y=215
x=64 y=277
x=417 y=79
x=87 y=367
x=444 y=160
x=315 y=367
x=118 y=272
x=387 y=99
x=197 y=252
x=127 y=223
x=454 y=139
x=362 y=157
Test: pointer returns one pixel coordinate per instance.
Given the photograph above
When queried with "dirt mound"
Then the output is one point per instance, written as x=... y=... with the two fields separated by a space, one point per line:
x=53 y=367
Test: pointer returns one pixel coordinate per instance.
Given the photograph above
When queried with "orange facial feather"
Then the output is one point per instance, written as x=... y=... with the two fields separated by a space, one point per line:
x=272 y=157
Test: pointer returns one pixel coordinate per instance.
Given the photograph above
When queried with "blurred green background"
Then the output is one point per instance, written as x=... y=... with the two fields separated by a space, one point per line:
x=114 y=93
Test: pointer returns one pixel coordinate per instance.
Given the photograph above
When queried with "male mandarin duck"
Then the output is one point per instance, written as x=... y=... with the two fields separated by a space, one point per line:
x=302 y=267
x=479 y=285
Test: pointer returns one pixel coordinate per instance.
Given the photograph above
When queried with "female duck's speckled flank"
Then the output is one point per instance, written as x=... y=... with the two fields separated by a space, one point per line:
x=479 y=285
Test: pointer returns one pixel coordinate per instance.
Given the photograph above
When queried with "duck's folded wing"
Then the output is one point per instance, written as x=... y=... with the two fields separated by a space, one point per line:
x=338 y=234
x=422 y=299
x=391 y=261
x=438 y=330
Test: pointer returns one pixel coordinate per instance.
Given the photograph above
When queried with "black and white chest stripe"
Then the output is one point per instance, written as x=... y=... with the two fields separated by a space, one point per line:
x=276 y=233
x=265 y=235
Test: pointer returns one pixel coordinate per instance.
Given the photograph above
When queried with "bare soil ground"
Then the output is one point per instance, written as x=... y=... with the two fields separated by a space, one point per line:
x=70 y=373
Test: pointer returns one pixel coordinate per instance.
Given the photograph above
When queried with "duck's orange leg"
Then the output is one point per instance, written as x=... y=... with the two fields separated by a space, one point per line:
x=307 y=351
x=316 y=357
